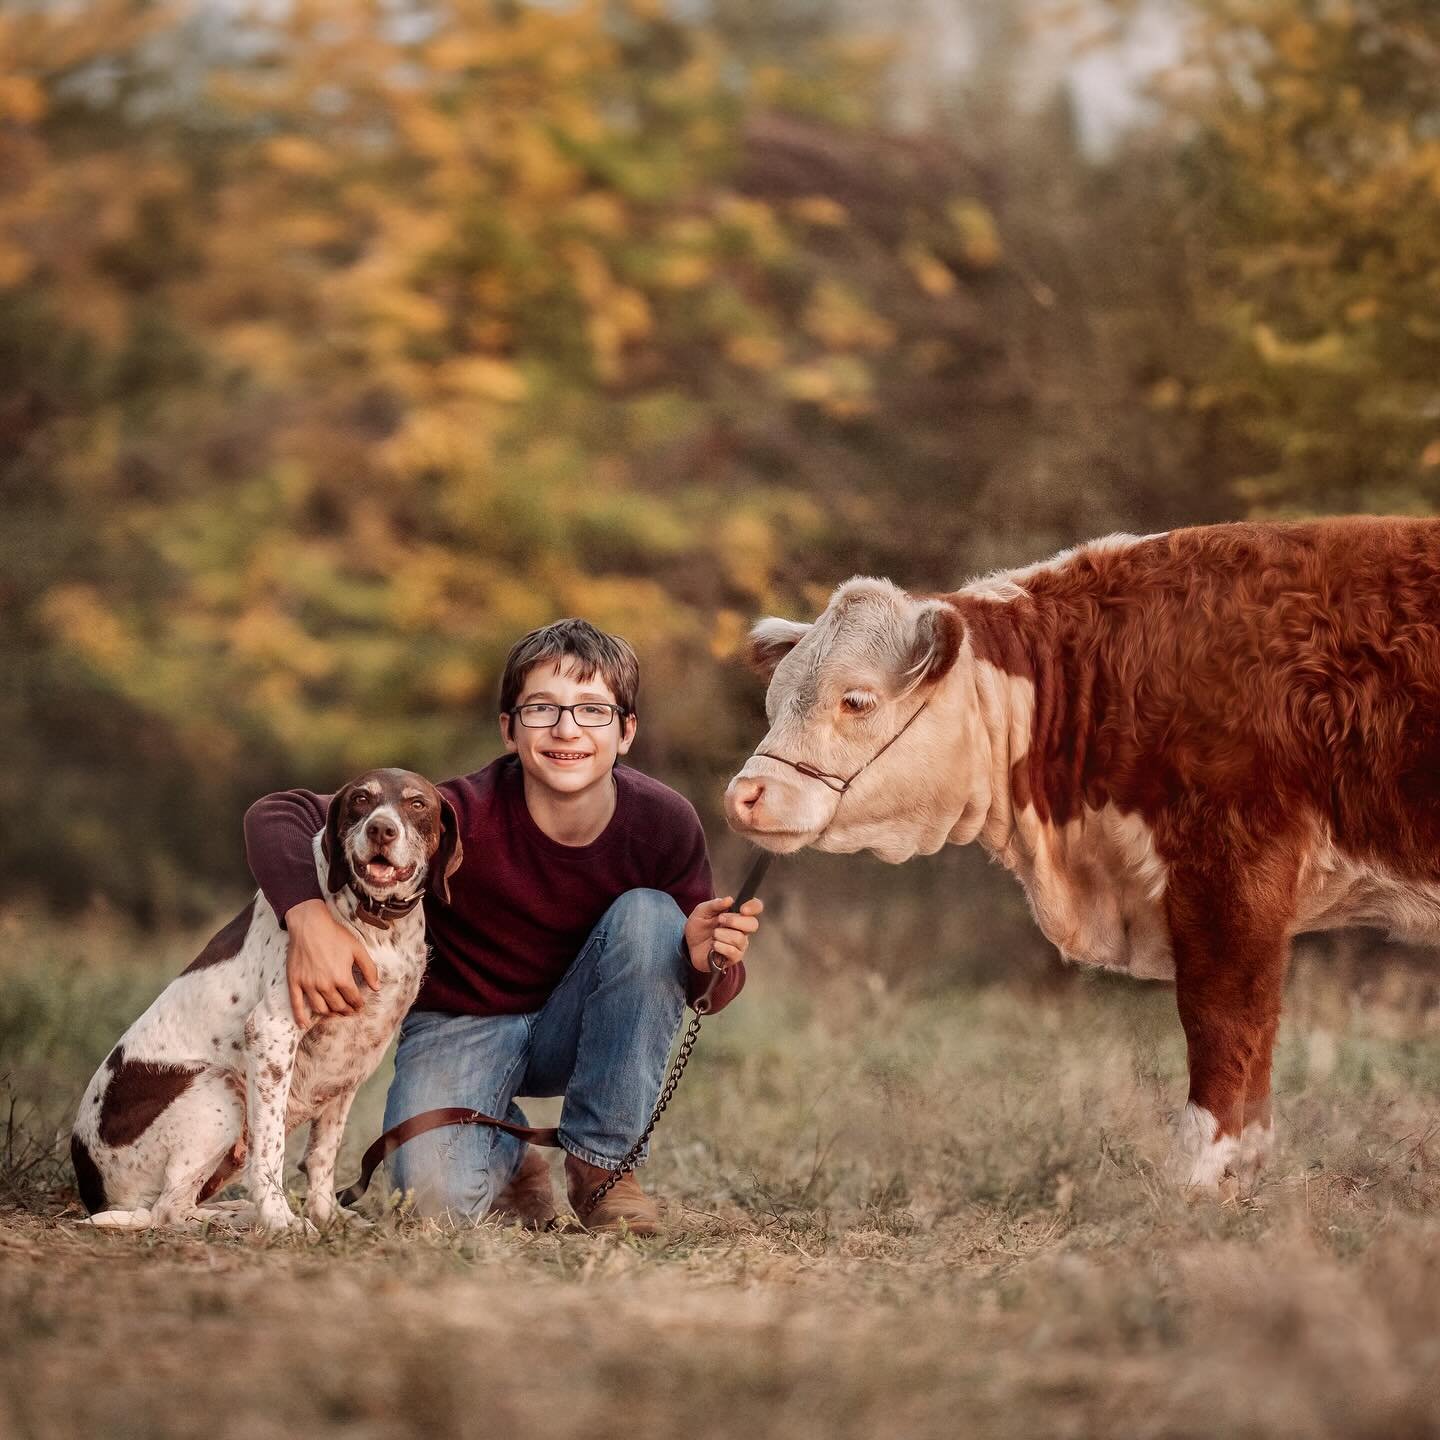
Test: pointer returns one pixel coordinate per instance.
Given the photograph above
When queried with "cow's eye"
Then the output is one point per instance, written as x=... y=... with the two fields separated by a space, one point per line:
x=857 y=702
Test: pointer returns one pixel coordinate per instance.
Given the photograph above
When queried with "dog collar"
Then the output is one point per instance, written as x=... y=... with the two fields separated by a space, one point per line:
x=380 y=913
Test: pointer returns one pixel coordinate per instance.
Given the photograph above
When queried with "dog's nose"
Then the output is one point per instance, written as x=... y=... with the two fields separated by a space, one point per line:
x=381 y=830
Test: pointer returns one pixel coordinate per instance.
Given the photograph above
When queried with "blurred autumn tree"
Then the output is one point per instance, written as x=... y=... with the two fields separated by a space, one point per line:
x=337 y=351
x=1314 y=184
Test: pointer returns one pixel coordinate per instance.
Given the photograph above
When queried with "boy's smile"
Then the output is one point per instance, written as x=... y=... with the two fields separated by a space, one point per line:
x=566 y=762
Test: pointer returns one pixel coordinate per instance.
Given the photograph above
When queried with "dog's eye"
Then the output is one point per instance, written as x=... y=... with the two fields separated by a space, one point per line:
x=417 y=804
x=359 y=800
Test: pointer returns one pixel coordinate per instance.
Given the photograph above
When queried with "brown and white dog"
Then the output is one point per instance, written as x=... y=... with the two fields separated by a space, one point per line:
x=216 y=1072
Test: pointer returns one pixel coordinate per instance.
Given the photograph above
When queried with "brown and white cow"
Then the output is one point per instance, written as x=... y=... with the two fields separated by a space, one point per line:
x=1189 y=747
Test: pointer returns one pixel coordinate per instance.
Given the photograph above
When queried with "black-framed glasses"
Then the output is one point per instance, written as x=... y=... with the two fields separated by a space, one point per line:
x=592 y=714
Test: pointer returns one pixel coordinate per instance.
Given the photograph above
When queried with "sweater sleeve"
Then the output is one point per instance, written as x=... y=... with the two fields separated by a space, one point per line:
x=692 y=885
x=279 y=834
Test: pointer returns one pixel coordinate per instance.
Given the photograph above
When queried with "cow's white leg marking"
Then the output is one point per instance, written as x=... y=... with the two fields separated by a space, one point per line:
x=271 y=1040
x=1257 y=1144
x=323 y=1145
x=1202 y=1155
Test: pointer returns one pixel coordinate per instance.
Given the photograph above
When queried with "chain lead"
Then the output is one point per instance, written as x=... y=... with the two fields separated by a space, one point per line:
x=672 y=1080
x=751 y=884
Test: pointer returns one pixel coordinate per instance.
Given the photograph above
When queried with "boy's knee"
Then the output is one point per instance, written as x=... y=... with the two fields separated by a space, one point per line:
x=646 y=910
x=436 y=1186
x=650 y=923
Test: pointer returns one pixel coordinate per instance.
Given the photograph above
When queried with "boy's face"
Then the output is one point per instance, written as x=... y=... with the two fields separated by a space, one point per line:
x=565 y=756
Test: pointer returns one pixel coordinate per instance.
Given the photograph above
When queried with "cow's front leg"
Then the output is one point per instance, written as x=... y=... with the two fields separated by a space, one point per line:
x=1257 y=1133
x=271 y=1040
x=326 y=1131
x=1230 y=957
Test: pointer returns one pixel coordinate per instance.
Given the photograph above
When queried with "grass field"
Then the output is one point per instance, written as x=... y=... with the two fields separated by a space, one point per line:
x=892 y=1214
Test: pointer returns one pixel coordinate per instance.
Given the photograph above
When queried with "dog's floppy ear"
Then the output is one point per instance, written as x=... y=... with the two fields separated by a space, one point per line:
x=448 y=853
x=332 y=846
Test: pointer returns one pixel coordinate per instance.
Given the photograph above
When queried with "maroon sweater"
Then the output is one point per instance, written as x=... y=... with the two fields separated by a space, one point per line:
x=521 y=904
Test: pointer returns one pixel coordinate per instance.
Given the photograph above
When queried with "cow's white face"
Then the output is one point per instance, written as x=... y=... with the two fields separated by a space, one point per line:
x=839 y=690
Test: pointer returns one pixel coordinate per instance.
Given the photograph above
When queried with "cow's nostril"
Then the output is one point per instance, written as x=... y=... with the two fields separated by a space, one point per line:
x=748 y=793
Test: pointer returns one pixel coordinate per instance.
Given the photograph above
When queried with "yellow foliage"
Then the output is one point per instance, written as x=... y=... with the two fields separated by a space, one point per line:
x=747 y=552
x=485 y=377
x=979 y=236
x=932 y=274
x=268 y=636
x=15 y=264
x=543 y=172
x=839 y=319
x=600 y=212
x=819 y=210
x=1167 y=394
x=727 y=636
x=456 y=436
x=1297 y=43
x=850 y=385
x=755 y=352
x=21 y=99
x=264 y=347
x=756 y=221
x=77 y=616
x=1325 y=351
x=296 y=155
x=455 y=682
x=684 y=272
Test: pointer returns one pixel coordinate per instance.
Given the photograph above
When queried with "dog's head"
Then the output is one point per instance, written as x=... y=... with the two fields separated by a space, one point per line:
x=389 y=833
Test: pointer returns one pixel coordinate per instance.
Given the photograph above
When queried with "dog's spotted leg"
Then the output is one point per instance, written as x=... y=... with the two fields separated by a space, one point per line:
x=271 y=1040
x=321 y=1149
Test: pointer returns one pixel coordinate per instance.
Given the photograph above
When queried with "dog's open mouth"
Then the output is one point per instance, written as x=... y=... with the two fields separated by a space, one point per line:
x=378 y=871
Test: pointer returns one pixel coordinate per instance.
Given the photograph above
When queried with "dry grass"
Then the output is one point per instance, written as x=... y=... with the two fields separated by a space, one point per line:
x=892 y=1216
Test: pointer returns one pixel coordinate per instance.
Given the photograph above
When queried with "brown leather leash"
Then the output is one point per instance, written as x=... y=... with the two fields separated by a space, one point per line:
x=428 y=1120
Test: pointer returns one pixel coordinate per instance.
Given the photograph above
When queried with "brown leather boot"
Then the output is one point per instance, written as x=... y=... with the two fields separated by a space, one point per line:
x=528 y=1198
x=623 y=1206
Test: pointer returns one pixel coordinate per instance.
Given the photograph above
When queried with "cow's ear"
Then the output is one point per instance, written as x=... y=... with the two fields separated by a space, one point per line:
x=770 y=642
x=936 y=644
x=448 y=853
x=332 y=846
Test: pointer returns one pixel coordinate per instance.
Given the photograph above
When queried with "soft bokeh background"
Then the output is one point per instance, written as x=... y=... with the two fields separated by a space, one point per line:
x=342 y=342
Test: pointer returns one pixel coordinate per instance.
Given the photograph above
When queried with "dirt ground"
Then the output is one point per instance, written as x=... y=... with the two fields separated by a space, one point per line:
x=891 y=1214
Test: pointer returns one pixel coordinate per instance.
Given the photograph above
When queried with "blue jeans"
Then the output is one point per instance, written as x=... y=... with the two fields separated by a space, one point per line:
x=601 y=1040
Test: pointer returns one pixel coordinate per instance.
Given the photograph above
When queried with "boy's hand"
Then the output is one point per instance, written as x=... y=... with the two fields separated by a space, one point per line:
x=321 y=962
x=715 y=925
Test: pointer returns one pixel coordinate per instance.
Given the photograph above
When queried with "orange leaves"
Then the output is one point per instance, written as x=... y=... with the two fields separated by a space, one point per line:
x=979 y=236
x=840 y=320
x=83 y=623
x=298 y=155
x=22 y=100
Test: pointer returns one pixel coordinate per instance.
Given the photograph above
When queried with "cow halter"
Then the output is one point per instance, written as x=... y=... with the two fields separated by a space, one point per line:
x=841 y=783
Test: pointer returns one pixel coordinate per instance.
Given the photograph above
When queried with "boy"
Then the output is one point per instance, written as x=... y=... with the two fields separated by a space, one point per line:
x=578 y=923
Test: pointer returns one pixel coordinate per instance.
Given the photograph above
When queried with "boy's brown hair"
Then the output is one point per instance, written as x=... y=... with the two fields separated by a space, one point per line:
x=590 y=652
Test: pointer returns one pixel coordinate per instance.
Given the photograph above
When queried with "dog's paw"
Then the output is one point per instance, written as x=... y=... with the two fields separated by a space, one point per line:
x=274 y=1216
x=326 y=1216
